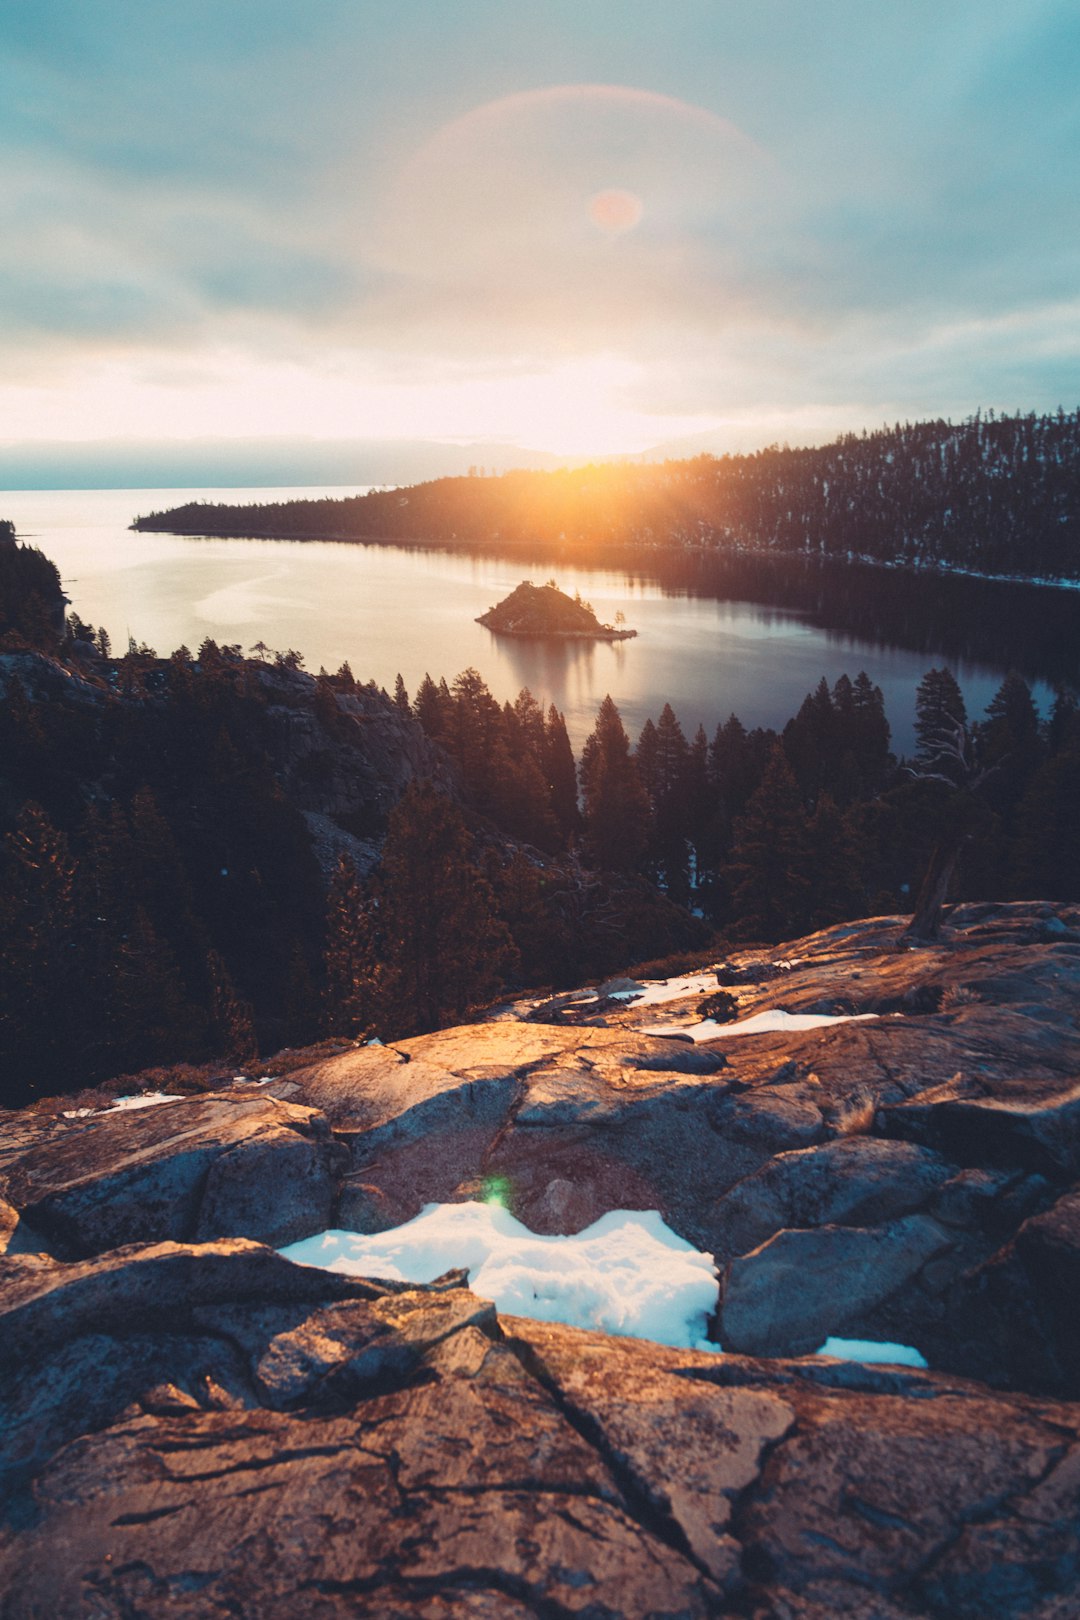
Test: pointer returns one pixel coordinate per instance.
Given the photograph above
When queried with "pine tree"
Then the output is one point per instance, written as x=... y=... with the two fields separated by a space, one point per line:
x=698 y=809
x=150 y=1018
x=616 y=805
x=669 y=840
x=770 y=869
x=1011 y=742
x=301 y=1000
x=1012 y=722
x=870 y=734
x=477 y=740
x=232 y=1023
x=1047 y=854
x=42 y=991
x=645 y=758
x=810 y=742
x=428 y=708
x=833 y=867
x=939 y=713
x=348 y=962
x=441 y=947
x=401 y=696
x=561 y=773
x=1063 y=730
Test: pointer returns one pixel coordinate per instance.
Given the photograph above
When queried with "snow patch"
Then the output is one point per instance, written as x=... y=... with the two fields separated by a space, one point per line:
x=144 y=1099
x=870 y=1350
x=628 y=1273
x=655 y=992
x=763 y=1023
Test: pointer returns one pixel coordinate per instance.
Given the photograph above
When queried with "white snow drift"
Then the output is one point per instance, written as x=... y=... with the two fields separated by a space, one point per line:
x=763 y=1023
x=628 y=1273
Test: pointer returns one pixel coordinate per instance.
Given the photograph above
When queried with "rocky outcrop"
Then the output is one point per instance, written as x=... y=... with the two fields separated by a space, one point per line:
x=343 y=758
x=191 y=1425
x=883 y=1178
x=891 y=1159
x=209 y=1430
x=802 y=1287
x=214 y=1166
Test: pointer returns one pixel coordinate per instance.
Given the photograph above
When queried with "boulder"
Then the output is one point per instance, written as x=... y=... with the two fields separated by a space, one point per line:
x=1032 y=1123
x=220 y=1165
x=774 y=1120
x=1014 y=1319
x=882 y=1507
x=9 y=1220
x=852 y=1181
x=801 y=1287
x=624 y=1120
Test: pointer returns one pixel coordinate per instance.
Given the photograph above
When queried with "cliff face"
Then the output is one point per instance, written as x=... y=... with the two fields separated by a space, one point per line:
x=873 y=1142
x=343 y=758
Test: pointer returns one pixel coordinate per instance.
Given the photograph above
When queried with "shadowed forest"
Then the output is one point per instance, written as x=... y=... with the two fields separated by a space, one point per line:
x=163 y=898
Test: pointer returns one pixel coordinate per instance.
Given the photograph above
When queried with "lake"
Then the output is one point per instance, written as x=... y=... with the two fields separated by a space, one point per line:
x=712 y=639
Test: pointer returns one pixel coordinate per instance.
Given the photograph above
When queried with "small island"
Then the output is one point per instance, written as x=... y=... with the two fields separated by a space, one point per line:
x=544 y=610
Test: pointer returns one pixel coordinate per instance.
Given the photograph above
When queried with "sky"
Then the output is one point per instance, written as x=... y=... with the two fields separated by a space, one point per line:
x=565 y=228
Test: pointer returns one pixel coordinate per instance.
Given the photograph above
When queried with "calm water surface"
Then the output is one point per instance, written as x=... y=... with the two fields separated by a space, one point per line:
x=386 y=609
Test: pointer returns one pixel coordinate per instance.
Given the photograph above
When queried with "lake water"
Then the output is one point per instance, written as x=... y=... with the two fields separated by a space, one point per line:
x=387 y=609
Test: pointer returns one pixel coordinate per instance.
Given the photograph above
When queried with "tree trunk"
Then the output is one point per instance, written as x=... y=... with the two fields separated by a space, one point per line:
x=925 y=925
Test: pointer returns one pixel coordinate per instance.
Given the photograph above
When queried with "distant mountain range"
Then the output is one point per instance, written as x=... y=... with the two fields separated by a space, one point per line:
x=249 y=463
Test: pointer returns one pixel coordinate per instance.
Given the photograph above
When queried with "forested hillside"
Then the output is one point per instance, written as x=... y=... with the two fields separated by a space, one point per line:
x=997 y=495
x=31 y=601
x=209 y=854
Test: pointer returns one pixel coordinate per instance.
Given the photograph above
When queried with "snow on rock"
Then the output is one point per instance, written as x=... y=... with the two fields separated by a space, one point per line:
x=628 y=1273
x=144 y=1099
x=763 y=1023
x=655 y=992
x=869 y=1350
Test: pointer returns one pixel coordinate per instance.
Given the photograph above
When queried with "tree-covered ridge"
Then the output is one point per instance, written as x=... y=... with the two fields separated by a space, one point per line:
x=204 y=855
x=544 y=610
x=160 y=896
x=31 y=600
x=997 y=495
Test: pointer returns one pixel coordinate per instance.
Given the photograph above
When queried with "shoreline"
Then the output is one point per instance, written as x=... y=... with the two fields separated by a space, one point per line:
x=539 y=551
x=602 y=634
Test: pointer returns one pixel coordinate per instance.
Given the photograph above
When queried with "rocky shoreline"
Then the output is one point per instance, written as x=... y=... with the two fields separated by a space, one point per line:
x=602 y=633
x=192 y=1425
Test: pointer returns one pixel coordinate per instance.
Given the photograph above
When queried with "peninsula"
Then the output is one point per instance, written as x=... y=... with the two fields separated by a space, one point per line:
x=544 y=610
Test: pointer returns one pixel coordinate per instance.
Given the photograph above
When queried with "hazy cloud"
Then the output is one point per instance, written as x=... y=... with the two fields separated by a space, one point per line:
x=759 y=210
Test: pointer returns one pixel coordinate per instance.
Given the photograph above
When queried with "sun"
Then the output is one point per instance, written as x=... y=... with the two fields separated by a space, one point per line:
x=584 y=406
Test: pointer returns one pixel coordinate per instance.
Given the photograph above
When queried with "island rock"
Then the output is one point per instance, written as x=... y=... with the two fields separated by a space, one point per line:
x=544 y=610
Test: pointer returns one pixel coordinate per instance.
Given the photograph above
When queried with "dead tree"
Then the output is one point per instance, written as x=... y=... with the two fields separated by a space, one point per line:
x=952 y=762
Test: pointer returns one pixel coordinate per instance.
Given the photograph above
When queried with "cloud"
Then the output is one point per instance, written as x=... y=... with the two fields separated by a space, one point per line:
x=866 y=208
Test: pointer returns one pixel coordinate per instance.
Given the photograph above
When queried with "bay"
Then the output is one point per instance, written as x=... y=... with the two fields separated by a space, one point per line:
x=707 y=642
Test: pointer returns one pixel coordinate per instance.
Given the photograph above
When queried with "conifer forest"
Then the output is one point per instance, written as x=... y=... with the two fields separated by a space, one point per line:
x=163 y=897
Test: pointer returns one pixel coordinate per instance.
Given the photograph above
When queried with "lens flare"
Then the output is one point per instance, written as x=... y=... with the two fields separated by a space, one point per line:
x=616 y=211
